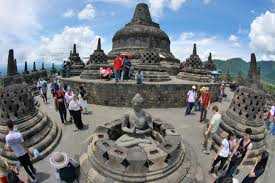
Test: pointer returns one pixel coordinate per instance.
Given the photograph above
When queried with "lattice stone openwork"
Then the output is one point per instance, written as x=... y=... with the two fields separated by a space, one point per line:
x=98 y=58
x=167 y=160
x=17 y=104
x=15 y=101
x=150 y=57
x=247 y=110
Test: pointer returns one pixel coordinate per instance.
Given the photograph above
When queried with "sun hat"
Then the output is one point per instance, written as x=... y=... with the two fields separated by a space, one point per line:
x=59 y=160
x=203 y=88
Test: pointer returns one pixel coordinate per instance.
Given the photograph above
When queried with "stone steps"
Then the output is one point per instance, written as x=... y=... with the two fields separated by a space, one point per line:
x=43 y=136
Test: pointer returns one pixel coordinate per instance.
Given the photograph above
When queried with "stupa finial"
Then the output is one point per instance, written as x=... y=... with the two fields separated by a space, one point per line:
x=142 y=13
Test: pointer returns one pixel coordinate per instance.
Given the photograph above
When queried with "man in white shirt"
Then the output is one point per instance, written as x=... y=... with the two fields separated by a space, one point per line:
x=14 y=142
x=191 y=99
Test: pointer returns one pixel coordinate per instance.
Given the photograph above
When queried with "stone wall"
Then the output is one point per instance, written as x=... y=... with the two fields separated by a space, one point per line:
x=120 y=95
x=33 y=77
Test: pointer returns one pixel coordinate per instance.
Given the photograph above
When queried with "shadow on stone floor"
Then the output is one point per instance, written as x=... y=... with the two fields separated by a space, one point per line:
x=42 y=176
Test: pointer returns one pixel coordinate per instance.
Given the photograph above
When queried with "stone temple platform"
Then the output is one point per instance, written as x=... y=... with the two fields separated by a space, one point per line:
x=156 y=94
x=152 y=152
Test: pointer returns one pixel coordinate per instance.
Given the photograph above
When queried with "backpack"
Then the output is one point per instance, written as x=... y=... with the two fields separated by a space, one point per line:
x=12 y=177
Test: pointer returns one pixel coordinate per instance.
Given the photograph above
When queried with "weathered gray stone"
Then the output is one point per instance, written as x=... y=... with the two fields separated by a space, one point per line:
x=17 y=104
x=158 y=161
x=246 y=111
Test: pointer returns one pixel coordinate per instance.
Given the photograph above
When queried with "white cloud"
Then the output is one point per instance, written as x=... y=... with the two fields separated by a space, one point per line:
x=219 y=47
x=262 y=35
x=19 y=24
x=176 y=4
x=234 y=40
x=87 y=13
x=157 y=6
x=206 y=1
x=57 y=47
x=69 y=13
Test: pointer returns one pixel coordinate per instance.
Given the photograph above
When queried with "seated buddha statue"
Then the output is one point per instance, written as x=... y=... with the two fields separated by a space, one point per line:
x=137 y=125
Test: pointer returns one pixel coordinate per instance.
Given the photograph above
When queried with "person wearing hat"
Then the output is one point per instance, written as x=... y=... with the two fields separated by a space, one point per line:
x=66 y=168
x=191 y=99
x=205 y=100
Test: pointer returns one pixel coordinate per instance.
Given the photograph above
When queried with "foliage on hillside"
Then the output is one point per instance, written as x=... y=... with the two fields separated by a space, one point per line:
x=235 y=66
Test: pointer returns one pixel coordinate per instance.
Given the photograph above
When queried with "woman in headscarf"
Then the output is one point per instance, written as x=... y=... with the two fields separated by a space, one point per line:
x=258 y=170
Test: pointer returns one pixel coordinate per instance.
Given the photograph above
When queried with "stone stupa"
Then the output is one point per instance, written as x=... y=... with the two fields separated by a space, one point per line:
x=247 y=110
x=74 y=64
x=254 y=73
x=97 y=59
x=137 y=148
x=17 y=104
x=209 y=65
x=193 y=69
x=142 y=37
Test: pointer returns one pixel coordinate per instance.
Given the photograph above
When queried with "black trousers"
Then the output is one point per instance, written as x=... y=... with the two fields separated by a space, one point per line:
x=222 y=161
x=62 y=112
x=248 y=179
x=27 y=164
x=203 y=114
x=77 y=119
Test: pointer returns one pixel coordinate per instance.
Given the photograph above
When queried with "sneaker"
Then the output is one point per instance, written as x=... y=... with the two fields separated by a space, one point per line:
x=206 y=152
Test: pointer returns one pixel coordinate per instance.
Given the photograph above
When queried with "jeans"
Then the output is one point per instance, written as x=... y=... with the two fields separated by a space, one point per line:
x=117 y=75
x=122 y=75
x=189 y=108
x=27 y=164
x=197 y=106
x=234 y=163
x=272 y=131
x=203 y=113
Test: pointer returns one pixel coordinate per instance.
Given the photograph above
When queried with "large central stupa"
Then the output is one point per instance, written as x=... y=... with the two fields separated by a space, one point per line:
x=141 y=35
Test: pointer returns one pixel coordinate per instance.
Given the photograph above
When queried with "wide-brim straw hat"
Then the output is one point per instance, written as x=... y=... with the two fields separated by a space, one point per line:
x=59 y=160
x=203 y=88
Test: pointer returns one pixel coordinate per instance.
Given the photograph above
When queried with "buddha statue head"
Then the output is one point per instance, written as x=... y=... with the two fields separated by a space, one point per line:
x=137 y=102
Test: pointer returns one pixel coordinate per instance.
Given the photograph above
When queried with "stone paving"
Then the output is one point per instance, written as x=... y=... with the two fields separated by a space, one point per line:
x=74 y=143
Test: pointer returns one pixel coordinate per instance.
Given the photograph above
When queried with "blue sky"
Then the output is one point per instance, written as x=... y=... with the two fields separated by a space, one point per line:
x=46 y=29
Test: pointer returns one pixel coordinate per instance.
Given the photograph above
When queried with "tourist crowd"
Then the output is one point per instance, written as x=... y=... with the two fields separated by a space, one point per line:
x=233 y=151
x=122 y=70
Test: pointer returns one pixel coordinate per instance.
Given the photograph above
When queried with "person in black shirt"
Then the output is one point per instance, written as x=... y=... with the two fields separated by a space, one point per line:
x=240 y=153
x=258 y=169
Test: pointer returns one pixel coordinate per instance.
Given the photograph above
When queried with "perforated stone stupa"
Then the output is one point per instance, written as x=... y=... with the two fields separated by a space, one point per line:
x=246 y=111
x=74 y=64
x=193 y=69
x=141 y=36
x=137 y=148
x=97 y=59
x=17 y=104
